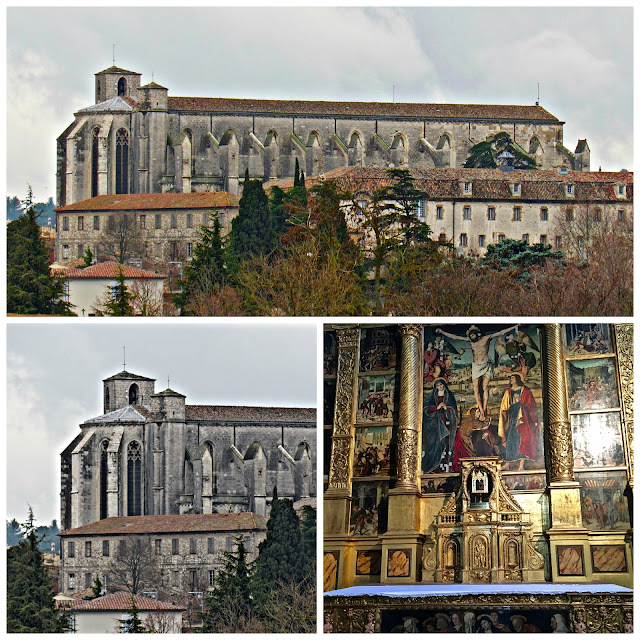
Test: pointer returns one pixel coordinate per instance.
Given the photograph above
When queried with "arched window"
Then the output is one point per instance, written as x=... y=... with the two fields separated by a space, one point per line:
x=103 y=478
x=134 y=479
x=133 y=394
x=122 y=87
x=95 y=153
x=122 y=161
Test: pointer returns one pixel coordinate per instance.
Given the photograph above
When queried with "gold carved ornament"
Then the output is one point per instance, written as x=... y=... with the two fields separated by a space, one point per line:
x=339 y=472
x=624 y=348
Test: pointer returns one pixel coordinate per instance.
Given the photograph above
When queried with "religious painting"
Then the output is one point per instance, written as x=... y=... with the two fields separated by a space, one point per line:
x=482 y=396
x=608 y=559
x=368 y=563
x=570 y=560
x=329 y=399
x=604 y=505
x=330 y=562
x=376 y=397
x=439 y=485
x=592 y=384
x=372 y=451
x=399 y=563
x=474 y=620
x=525 y=482
x=587 y=339
x=330 y=353
x=368 y=509
x=597 y=440
x=378 y=349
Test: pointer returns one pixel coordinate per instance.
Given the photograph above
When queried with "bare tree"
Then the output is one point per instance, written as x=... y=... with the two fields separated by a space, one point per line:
x=162 y=622
x=134 y=565
x=123 y=237
x=147 y=300
x=291 y=608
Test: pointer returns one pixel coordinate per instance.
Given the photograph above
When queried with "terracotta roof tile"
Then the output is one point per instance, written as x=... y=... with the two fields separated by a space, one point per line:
x=187 y=523
x=323 y=108
x=121 y=601
x=110 y=270
x=142 y=201
x=249 y=414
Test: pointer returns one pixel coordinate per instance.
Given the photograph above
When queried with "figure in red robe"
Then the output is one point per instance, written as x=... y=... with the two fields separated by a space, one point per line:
x=518 y=424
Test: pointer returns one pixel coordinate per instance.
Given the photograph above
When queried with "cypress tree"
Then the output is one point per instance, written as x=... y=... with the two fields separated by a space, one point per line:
x=30 y=286
x=119 y=302
x=30 y=605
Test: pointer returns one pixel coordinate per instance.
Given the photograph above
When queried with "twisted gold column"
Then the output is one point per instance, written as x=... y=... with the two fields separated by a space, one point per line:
x=624 y=349
x=560 y=441
x=410 y=406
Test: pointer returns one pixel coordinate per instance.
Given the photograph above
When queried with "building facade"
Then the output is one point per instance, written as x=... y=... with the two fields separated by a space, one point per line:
x=183 y=552
x=151 y=453
x=138 y=139
x=496 y=459
x=160 y=228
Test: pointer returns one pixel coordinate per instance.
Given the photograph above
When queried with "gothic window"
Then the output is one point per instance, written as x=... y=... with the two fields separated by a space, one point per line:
x=122 y=87
x=122 y=161
x=134 y=479
x=133 y=394
x=95 y=152
x=103 y=478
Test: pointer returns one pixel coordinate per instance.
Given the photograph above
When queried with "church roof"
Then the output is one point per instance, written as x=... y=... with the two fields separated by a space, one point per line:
x=249 y=414
x=114 y=69
x=130 y=413
x=153 y=201
x=111 y=270
x=126 y=375
x=170 y=392
x=186 y=523
x=324 y=108
x=121 y=601
x=113 y=104
x=153 y=85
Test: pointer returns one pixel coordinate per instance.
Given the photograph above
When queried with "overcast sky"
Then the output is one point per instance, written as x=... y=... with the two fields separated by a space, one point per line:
x=55 y=373
x=582 y=58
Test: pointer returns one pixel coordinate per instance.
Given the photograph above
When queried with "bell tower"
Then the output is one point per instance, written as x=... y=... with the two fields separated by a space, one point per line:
x=126 y=388
x=114 y=82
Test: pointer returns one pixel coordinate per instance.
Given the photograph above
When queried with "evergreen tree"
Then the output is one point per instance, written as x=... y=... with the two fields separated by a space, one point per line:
x=484 y=155
x=119 y=298
x=230 y=605
x=14 y=533
x=96 y=587
x=30 y=605
x=14 y=208
x=132 y=624
x=518 y=257
x=30 y=287
x=308 y=534
x=88 y=257
x=252 y=231
x=206 y=269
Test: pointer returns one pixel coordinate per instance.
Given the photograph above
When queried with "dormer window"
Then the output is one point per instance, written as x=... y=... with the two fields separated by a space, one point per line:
x=516 y=188
x=621 y=191
x=570 y=191
x=467 y=187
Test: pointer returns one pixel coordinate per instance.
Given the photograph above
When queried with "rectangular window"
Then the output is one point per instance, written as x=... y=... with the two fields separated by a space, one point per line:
x=87 y=549
x=175 y=546
x=96 y=223
x=158 y=221
x=569 y=189
x=501 y=237
x=569 y=215
x=422 y=210
x=193 y=546
x=463 y=239
x=517 y=214
x=491 y=213
x=439 y=212
x=105 y=547
x=143 y=221
x=176 y=578
x=189 y=220
x=516 y=189
x=158 y=547
x=65 y=251
x=111 y=222
x=80 y=250
x=247 y=543
x=481 y=241
x=525 y=237
x=80 y=223
x=544 y=214
x=212 y=578
x=65 y=223
x=193 y=579
x=173 y=250
x=71 y=550
x=466 y=213
x=158 y=250
x=621 y=190
x=87 y=580
x=229 y=542
x=211 y=548
x=205 y=219
x=189 y=249
x=72 y=581
x=558 y=242
x=543 y=239
x=620 y=214
x=174 y=221
x=467 y=187
x=122 y=547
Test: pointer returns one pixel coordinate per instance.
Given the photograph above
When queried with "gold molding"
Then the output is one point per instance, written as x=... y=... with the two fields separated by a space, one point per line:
x=624 y=350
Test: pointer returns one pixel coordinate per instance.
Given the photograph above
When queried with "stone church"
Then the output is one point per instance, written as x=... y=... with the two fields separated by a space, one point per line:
x=150 y=453
x=138 y=139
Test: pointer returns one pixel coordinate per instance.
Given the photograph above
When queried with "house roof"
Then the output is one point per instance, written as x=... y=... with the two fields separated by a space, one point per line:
x=249 y=414
x=186 y=523
x=324 y=108
x=489 y=184
x=152 y=201
x=121 y=601
x=111 y=270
